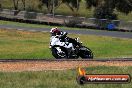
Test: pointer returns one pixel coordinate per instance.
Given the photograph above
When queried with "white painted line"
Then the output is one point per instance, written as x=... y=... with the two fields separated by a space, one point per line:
x=32 y=30
x=43 y=31
x=20 y=29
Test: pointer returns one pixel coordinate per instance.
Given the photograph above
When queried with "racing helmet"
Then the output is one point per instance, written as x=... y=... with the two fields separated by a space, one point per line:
x=55 y=31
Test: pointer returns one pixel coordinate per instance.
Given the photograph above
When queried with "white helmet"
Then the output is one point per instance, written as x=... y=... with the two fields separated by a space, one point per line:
x=54 y=30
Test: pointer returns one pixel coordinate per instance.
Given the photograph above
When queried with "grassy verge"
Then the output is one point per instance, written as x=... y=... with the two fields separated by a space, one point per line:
x=35 y=25
x=23 y=24
x=59 y=79
x=29 y=45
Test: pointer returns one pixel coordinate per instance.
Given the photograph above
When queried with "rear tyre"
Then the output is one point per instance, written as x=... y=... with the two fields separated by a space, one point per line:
x=86 y=53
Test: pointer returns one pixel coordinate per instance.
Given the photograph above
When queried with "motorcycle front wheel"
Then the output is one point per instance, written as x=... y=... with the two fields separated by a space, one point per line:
x=85 y=53
x=57 y=54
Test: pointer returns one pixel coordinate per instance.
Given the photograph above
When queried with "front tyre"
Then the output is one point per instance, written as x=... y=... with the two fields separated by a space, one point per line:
x=85 y=53
x=81 y=80
x=57 y=54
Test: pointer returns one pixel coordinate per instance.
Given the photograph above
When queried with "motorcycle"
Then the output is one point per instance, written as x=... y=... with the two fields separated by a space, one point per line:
x=63 y=50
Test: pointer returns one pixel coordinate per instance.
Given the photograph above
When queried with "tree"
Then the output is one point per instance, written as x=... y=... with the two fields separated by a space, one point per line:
x=24 y=4
x=16 y=6
x=0 y=6
x=104 y=9
x=124 y=6
x=93 y=3
x=73 y=5
x=15 y=3
x=50 y=3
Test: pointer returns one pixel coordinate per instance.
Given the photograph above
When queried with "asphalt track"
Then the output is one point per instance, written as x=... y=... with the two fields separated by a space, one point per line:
x=83 y=31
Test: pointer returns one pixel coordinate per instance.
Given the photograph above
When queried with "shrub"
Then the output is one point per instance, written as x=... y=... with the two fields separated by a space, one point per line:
x=72 y=22
x=30 y=15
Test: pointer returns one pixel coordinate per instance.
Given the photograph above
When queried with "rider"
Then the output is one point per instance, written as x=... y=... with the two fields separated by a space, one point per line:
x=63 y=36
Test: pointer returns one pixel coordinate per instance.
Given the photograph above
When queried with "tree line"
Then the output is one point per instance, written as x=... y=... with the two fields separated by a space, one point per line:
x=103 y=9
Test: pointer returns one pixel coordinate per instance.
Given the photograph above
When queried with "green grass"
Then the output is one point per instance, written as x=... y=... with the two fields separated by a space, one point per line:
x=124 y=17
x=29 y=45
x=33 y=25
x=18 y=44
x=23 y=24
x=59 y=79
x=107 y=47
